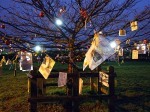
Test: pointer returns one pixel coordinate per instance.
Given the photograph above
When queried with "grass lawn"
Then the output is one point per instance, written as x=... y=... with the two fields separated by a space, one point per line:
x=133 y=90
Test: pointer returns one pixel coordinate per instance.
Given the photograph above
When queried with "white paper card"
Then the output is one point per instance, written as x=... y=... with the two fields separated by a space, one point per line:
x=62 y=79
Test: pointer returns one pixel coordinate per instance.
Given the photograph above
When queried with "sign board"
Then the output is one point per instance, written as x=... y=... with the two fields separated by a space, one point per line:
x=103 y=78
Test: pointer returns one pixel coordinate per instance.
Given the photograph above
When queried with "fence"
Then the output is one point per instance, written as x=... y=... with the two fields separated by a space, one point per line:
x=72 y=98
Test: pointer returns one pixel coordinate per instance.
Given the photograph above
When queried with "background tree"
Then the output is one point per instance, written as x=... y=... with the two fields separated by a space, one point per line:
x=28 y=20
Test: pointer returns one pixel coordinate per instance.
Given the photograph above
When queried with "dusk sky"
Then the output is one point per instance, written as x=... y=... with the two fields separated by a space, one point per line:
x=140 y=5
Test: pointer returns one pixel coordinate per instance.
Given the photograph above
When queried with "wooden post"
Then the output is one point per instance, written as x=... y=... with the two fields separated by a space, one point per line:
x=68 y=103
x=0 y=70
x=99 y=84
x=33 y=94
x=75 y=91
x=94 y=83
x=15 y=68
x=41 y=89
x=111 y=89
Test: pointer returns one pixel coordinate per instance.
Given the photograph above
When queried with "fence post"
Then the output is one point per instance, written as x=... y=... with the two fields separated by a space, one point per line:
x=99 y=84
x=41 y=88
x=94 y=82
x=33 y=93
x=0 y=70
x=15 y=69
x=68 y=103
x=76 y=91
x=111 y=89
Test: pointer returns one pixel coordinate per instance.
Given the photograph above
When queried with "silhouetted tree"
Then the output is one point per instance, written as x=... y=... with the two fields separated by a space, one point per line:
x=28 y=20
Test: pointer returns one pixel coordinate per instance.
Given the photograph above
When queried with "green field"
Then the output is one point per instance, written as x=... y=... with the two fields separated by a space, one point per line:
x=133 y=90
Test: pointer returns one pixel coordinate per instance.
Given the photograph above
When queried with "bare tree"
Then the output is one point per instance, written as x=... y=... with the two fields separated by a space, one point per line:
x=27 y=18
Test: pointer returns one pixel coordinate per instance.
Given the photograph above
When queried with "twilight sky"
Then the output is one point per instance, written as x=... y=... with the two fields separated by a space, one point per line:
x=140 y=5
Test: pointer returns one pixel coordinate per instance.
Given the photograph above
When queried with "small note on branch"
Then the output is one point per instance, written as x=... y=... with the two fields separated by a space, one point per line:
x=46 y=66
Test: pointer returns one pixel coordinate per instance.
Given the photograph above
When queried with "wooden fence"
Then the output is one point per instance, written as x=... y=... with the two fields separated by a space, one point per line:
x=72 y=98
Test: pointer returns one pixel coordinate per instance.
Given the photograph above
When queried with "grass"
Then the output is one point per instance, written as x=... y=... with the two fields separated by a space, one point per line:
x=133 y=90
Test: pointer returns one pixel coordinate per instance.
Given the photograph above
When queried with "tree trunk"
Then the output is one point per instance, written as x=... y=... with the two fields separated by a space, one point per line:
x=71 y=55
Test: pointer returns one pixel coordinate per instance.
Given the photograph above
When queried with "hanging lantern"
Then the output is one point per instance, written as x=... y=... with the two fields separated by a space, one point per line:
x=23 y=50
x=3 y=26
x=41 y=14
x=133 y=25
x=135 y=44
x=106 y=0
x=122 y=32
x=117 y=41
x=83 y=13
x=120 y=52
x=128 y=41
x=7 y=42
x=62 y=10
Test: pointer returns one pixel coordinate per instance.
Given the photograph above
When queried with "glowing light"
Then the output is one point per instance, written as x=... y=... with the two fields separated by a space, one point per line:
x=113 y=44
x=59 y=22
x=137 y=47
x=37 y=48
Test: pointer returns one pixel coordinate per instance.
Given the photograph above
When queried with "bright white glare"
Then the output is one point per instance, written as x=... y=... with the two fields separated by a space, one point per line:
x=113 y=44
x=37 y=48
x=58 y=22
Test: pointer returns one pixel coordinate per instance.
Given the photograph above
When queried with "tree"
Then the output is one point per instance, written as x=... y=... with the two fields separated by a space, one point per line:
x=27 y=18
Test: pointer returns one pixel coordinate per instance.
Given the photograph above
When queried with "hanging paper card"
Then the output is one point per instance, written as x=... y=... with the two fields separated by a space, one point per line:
x=62 y=79
x=101 y=53
x=85 y=63
x=134 y=54
x=95 y=41
x=120 y=53
x=96 y=60
x=134 y=25
x=80 y=85
x=8 y=62
x=3 y=60
x=117 y=41
x=122 y=32
x=46 y=66
x=128 y=41
x=141 y=48
x=26 y=63
x=88 y=57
